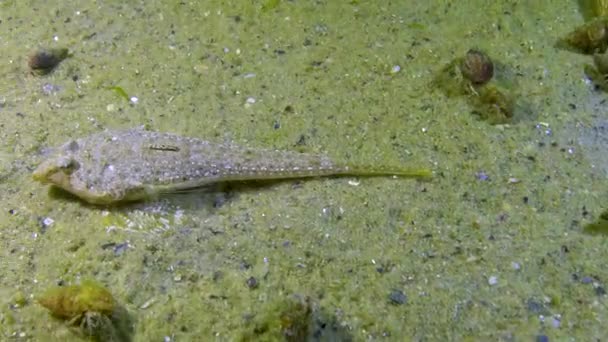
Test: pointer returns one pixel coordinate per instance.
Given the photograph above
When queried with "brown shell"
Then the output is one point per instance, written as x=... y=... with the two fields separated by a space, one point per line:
x=43 y=61
x=477 y=67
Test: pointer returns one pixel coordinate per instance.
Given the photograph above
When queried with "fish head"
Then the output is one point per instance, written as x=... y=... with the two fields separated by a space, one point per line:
x=71 y=168
x=59 y=167
x=56 y=170
x=63 y=169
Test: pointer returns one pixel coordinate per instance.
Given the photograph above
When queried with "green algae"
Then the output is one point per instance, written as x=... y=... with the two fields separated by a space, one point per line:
x=90 y=309
x=74 y=301
x=289 y=319
x=183 y=262
x=120 y=92
x=599 y=226
x=593 y=8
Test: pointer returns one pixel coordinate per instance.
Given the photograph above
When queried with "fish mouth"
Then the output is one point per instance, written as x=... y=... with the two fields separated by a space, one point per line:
x=57 y=178
x=41 y=175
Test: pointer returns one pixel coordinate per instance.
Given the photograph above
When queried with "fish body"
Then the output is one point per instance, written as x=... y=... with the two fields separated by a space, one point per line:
x=135 y=164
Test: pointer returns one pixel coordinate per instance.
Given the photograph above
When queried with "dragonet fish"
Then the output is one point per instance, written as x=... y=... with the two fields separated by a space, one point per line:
x=136 y=164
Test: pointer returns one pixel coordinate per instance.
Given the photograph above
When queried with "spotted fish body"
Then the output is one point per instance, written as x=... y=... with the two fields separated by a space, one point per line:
x=128 y=165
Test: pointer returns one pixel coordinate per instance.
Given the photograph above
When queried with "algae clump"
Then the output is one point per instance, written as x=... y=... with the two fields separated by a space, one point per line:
x=88 y=305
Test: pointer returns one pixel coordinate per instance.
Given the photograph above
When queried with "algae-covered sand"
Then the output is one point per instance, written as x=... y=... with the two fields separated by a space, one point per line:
x=493 y=247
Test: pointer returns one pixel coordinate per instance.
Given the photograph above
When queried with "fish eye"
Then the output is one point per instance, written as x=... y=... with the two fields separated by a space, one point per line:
x=68 y=165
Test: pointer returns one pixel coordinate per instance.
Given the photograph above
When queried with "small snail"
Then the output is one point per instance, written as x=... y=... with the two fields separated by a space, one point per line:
x=477 y=67
x=44 y=61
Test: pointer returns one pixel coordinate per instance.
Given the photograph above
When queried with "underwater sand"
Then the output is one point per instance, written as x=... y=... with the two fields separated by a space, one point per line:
x=492 y=248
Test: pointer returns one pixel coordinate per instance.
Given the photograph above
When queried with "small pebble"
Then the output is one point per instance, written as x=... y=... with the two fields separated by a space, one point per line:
x=397 y=297
x=252 y=283
x=542 y=338
x=47 y=221
x=148 y=303
x=481 y=175
x=557 y=321
x=120 y=248
x=49 y=89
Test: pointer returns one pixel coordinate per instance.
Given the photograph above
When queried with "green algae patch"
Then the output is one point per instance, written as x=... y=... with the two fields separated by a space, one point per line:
x=69 y=302
x=89 y=306
x=598 y=227
x=288 y=319
x=120 y=92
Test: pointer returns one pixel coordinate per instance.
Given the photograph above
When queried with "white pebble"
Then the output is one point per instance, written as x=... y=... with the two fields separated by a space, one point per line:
x=556 y=321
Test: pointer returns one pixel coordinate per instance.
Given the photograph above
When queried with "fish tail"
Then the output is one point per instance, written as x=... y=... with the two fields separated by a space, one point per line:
x=372 y=171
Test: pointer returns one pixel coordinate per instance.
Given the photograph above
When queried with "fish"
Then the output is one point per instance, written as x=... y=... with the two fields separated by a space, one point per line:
x=136 y=164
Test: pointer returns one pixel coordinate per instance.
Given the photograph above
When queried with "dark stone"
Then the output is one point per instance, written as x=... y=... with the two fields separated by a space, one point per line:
x=252 y=283
x=397 y=297
x=542 y=338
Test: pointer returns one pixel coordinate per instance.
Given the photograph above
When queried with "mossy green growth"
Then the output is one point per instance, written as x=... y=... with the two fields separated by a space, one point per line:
x=120 y=92
x=288 y=319
x=600 y=226
x=590 y=38
x=593 y=8
x=89 y=306
x=270 y=5
x=494 y=105
x=71 y=302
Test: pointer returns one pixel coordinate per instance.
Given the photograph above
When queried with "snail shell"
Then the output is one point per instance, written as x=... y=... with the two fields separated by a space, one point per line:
x=477 y=67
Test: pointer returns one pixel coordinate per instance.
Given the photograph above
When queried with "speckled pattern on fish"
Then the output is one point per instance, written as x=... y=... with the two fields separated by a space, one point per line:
x=135 y=164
